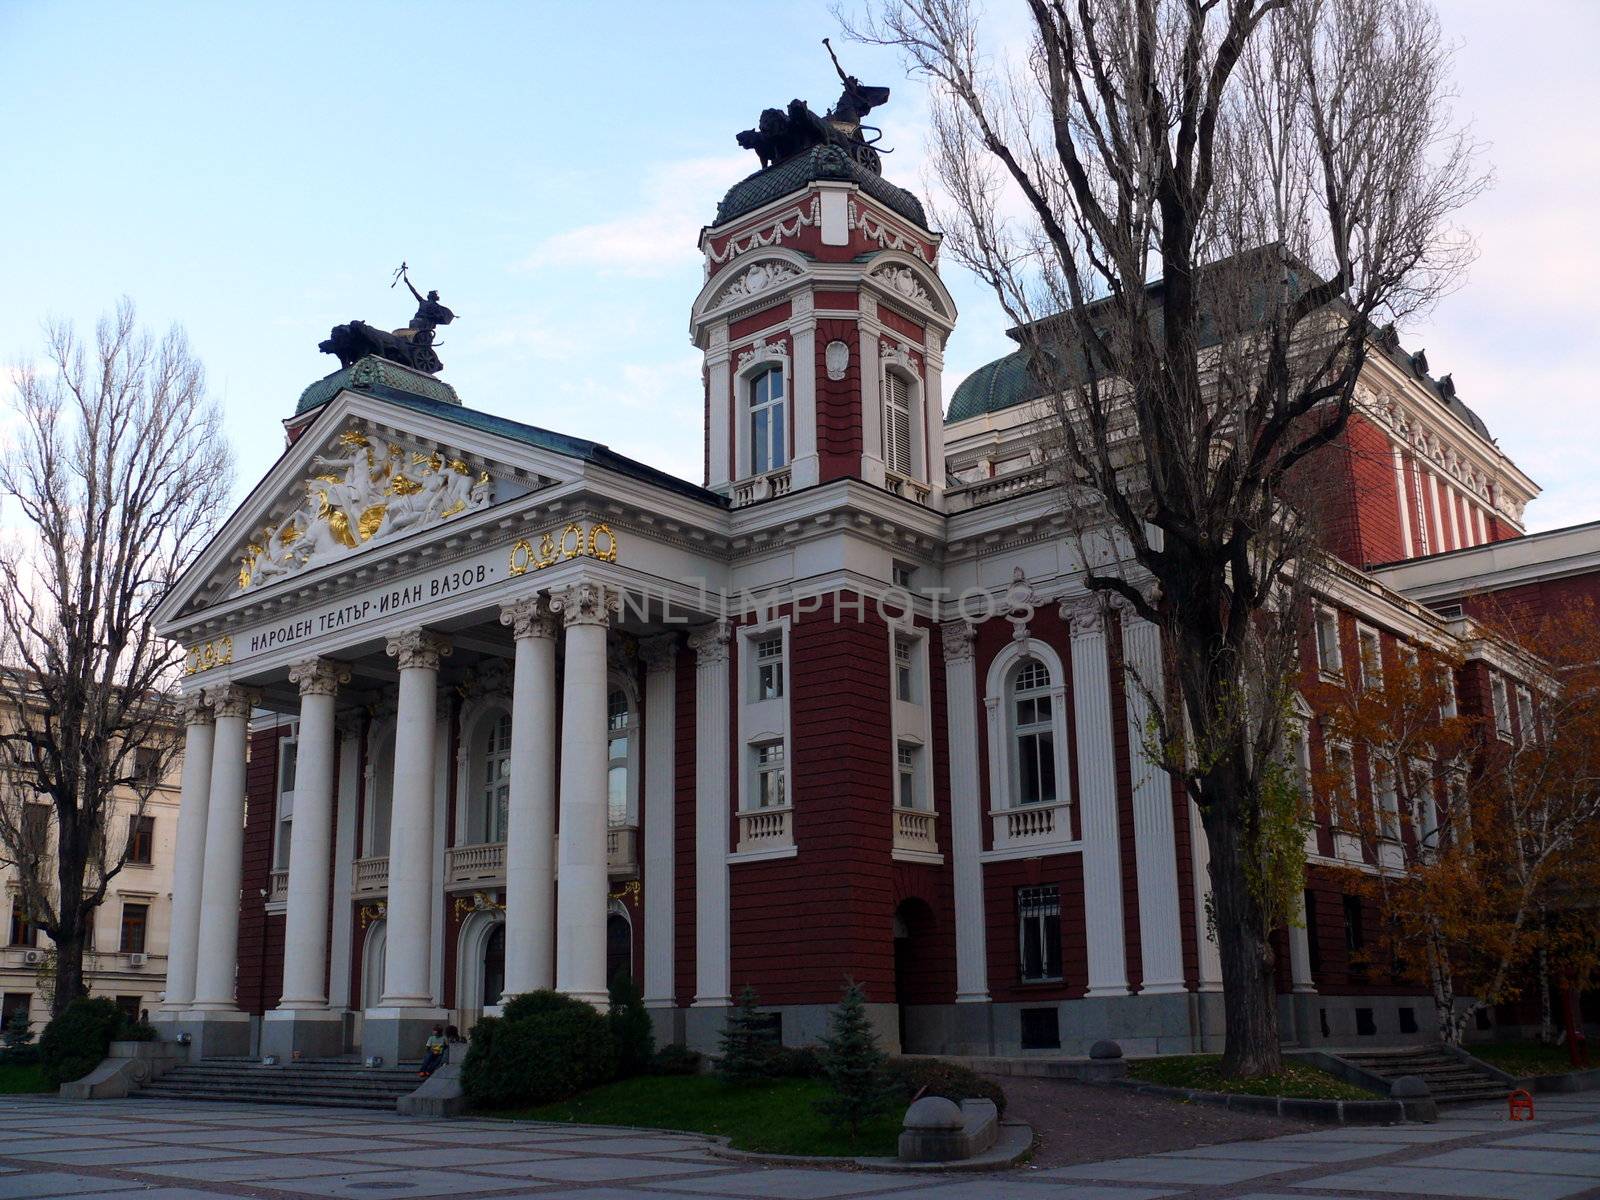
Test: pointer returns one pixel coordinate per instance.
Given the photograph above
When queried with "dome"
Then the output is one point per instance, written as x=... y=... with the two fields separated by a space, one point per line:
x=819 y=162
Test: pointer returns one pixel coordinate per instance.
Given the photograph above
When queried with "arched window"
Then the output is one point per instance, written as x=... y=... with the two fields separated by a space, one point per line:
x=897 y=423
x=494 y=794
x=1032 y=717
x=620 y=736
x=768 y=451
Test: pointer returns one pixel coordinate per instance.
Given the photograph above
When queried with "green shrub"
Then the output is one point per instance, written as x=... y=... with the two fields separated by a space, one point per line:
x=854 y=1066
x=793 y=1062
x=17 y=1038
x=547 y=1047
x=914 y=1077
x=746 y=1042
x=78 y=1038
x=677 y=1059
x=631 y=1033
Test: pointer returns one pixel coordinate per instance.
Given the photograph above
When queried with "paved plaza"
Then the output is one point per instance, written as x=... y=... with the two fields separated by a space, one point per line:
x=146 y=1150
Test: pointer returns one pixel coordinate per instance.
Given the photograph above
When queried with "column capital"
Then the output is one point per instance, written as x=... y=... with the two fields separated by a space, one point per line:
x=349 y=722
x=529 y=617
x=318 y=676
x=232 y=700
x=710 y=643
x=959 y=639
x=1086 y=614
x=586 y=603
x=659 y=653
x=418 y=649
x=197 y=710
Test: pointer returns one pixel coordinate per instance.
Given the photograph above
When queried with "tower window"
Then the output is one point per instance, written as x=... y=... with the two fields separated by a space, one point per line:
x=896 y=424
x=768 y=451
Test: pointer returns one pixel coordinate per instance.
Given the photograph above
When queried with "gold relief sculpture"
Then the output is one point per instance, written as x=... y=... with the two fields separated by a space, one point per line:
x=628 y=893
x=606 y=552
x=217 y=653
x=574 y=541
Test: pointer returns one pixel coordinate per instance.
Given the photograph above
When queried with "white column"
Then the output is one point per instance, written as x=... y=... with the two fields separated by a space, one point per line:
x=660 y=656
x=711 y=765
x=406 y=976
x=966 y=813
x=218 y=955
x=188 y=868
x=1097 y=800
x=1155 y=846
x=1405 y=505
x=531 y=817
x=1300 y=950
x=305 y=933
x=582 y=881
x=344 y=855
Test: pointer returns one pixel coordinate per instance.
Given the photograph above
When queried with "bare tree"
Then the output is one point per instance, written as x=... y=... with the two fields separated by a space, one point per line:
x=1198 y=212
x=119 y=472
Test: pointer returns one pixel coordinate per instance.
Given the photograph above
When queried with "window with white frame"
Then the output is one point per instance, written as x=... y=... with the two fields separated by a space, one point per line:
x=1386 y=799
x=905 y=668
x=1446 y=683
x=1371 y=648
x=896 y=423
x=906 y=775
x=494 y=793
x=902 y=575
x=768 y=678
x=1033 y=734
x=619 y=749
x=1329 y=660
x=1344 y=786
x=768 y=426
x=1039 y=933
x=769 y=790
x=1501 y=704
x=1424 y=810
x=1525 y=729
x=288 y=757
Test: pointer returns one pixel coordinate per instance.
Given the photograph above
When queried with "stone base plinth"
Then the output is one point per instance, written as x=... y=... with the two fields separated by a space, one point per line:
x=215 y=1034
x=314 y=1032
x=397 y=1035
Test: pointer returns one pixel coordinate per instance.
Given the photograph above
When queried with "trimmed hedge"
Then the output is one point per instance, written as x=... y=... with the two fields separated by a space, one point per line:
x=935 y=1077
x=546 y=1047
x=78 y=1038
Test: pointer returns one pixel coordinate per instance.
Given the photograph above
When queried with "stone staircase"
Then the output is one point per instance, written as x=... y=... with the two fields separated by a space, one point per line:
x=335 y=1083
x=1448 y=1078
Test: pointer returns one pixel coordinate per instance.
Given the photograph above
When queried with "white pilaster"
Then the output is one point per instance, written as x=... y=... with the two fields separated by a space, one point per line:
x=1097 y=800
x=805 y=469
x=218 y=955
x=1406 y=543
x=406 y=977
x=188 y=868
x=719 y=431
x=660 y=692
x=305 y=936
x=1155 y=846
x=711 y=816
x=531 y=819
x=966 y=813
x=582 y=883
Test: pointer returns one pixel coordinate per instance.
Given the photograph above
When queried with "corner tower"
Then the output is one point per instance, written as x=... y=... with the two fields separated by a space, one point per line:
x=823 y=320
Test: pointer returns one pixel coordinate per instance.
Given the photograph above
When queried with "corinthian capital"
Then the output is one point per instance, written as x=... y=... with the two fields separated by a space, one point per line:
x=958 y=638
x=1086 y=614
x=710 y=643
x=529 y=617
x=418 y=649
x=586 y=603
x=659 y=653
x=318 y=676
x=232 y=700
x=197 y=710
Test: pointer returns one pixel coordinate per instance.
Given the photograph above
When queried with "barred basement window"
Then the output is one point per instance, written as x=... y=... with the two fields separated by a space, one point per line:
x=1039 y=930
x=769 y=668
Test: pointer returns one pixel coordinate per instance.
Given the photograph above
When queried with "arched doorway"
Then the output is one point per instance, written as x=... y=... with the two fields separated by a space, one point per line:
x=915 y=968
x=372 y=959
x=480 y=965
x=494 y=965
x=619 y=945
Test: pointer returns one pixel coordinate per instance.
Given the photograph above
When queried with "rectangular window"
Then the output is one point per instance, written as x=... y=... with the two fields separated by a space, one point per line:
x=1387 y=800
x=1329 y=660
x=1502 y=706
x=769 y=668
x=1424 y=811
x=23 y=931
x=1355 y=937
x=769 y=791
x=1525 y=728
x=896 y=424
x=1371 y=658
x=146 y=765
x=1039 y=928
x=906 y=777
x=36 y=828
x=902 y=575
x=134 y=920
x=141 y=839
x=904 y=668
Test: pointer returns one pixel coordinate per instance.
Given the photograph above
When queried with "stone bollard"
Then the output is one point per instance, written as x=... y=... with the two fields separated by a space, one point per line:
x=1413 y=1091
x=932 y=1131
x=1105 y=1061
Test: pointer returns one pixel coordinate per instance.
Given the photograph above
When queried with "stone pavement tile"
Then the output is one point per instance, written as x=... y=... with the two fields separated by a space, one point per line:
x=57 y=1183
x=1533 y=1161
x=1553 y=1140
x=1303 y=1154
x=1394 y=1134
x=41 y=1143
x=319 y=1145
x=624 y=1145
x=1393 y=1179
x=593 y=1169
x=1169 y=1170
x=445 y=1156
x=787 y=1184
x=127 y=1156
x=479 y=1137
x=398 y=1185
x=256 y=1168
x=159 y=1194
x=998 y=1187
x=252 y=1138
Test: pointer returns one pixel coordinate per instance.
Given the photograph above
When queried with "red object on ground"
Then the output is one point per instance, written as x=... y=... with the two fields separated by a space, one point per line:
x=1521 y=1105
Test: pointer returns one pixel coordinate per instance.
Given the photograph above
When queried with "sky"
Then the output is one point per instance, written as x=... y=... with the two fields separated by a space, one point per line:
x=256 y=171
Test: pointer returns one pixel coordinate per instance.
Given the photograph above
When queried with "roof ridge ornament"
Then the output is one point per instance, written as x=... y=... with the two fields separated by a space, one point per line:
x=782 y=134
x=411 y=347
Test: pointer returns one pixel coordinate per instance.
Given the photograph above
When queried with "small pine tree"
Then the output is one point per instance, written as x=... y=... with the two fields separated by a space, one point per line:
x=744 y=1042
x=17 y=1039
x=853 y=1065
x=630 y=1027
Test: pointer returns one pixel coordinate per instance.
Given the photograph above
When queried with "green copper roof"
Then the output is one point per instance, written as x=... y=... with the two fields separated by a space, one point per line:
x=819 y=162
x=1003 y=383
x=370 y=372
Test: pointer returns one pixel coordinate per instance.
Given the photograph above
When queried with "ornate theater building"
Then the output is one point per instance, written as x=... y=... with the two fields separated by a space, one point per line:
x=477 y=708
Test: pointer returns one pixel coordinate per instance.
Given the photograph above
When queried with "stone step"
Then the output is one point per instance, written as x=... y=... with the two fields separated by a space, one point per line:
x=302 y=1074
x=253 y=1087
x=370 y=1102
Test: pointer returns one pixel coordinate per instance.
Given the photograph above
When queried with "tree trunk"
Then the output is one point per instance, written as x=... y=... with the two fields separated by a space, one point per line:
x=1250 y=1002
x=69 y=971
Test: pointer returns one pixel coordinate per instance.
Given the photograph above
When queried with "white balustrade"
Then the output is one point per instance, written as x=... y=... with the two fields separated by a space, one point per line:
x=372 y=876
x=476 y=863
x=278 y=887
x=1032 y=825
x=762 y=487
x=914 y=830
x=622 y=848
x=764 y=829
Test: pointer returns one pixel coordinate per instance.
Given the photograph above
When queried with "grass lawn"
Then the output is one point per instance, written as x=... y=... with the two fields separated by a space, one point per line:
x=1524 y=1058
x=1203 y=1072
x=776 y=1118
x=15 y=1080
